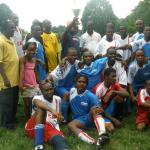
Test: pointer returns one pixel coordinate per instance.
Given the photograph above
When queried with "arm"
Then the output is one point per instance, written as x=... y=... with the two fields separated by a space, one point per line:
x=134 y=98
x=21 y=73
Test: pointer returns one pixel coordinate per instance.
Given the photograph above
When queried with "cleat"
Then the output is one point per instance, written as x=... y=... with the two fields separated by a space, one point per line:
x=39 y=147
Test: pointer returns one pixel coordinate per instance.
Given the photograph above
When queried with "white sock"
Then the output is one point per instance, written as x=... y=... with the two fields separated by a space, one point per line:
x=100 y=124
x=84 y=137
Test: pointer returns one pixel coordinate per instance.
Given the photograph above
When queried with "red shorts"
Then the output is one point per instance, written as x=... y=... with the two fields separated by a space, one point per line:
x=49 y=130
x=142 y=117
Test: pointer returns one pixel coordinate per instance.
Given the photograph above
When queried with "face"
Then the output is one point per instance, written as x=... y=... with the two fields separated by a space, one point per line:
x=72 y=56
x=15 y=20
x=148 y=87
x=111 y=54
x=74 y=30
x=47 y=91
x=81 y=84
x=87 y=58
x=37 y=31
x=10 y=29
x=109 y=34
x=111 y=79
x=147 y=32
x=31 y=50
x=47 y=25
x=139 y=25
x=123 y=30
x=90 y=26
x=139 y=56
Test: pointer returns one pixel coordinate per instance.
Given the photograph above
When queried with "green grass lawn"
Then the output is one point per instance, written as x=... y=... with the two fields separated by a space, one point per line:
x=125 y=138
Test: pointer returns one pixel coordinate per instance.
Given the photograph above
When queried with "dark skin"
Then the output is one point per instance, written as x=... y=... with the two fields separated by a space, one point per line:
x=15 y=19
x=90 y=27
x=47 y=26
x=8 y=32
x=36 y=32
x=139 y=25
x=123 y=32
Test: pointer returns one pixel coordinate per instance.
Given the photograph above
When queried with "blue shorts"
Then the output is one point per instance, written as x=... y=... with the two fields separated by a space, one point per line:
x=60 y=91
x=87 y=122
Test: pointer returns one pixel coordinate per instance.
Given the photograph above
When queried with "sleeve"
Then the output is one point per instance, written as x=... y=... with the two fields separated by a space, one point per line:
x=98 y=49
x=82 y=41
x=141 y=96
x=135 y=45
x=117 y=86
x=94 y=101
x=99 y=37
x=1 y=52
x=38 y=97
x=130 y=74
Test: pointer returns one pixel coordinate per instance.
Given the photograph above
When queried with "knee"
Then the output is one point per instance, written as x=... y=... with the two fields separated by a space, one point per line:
x=141 y=126
x=40 y=116
x=110 y=128
x=70 y=125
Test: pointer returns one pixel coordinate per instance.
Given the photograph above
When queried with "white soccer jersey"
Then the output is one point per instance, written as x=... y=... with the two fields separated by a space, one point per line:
x=55 y=105
x=137 y=36
x=90 y=41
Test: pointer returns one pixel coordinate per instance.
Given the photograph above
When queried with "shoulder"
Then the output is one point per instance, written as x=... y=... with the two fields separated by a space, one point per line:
x=56 y=97
x=96 y=34
x=38 y=97
x=133 y=65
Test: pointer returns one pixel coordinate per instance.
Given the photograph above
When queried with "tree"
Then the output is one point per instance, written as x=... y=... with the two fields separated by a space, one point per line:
x=100 y=11
x=141 y=11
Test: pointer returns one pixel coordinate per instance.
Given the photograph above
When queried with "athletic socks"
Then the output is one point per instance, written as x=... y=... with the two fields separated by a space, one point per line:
x=100 y=124
x=86 y=138
x=39 y=134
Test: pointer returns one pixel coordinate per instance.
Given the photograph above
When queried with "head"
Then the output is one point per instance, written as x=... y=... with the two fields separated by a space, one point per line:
x=15 y=19
x=110 y=25
x=90 y=27
x=123 y=30
x=110 y=76
x=47 y=90
x=72 y=55
x=139 y=56
x=36 y=31
x=147 y=86
x=47 y=26
x=30 y=49
x=111 y=54
x=74 y=30
x=88 y=57
x=109 y=34
x=81 y=83
x=147 y=33
x=7 y=26
x=139 y=25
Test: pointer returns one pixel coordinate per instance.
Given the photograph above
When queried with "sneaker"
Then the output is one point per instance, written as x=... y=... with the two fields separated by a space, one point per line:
x=101 y=141
x=39 y=147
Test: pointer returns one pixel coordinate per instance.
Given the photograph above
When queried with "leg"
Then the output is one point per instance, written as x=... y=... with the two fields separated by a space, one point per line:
x=75 y=126
x=59 y=143
x=27 y=106
x=141 y=126
x=39 y=118
x=109 y=127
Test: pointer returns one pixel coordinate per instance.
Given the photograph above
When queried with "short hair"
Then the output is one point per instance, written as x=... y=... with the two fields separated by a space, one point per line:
x=5 y=16
x=140 y=49
x=108 y=71
x=80 y=76
x=42 y=83
x=71 y=48
x=30 y=43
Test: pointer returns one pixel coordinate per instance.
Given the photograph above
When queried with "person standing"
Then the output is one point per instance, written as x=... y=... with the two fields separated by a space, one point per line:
x=89 y=39
x=17 y=38
x=50 y=44
x=9 y=70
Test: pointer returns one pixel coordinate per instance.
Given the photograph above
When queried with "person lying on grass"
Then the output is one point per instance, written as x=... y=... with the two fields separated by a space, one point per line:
x=86 y=111
x=143 y=113
x=43 y=124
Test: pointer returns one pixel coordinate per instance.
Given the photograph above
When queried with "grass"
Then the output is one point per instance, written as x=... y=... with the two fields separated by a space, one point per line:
x=125 y=138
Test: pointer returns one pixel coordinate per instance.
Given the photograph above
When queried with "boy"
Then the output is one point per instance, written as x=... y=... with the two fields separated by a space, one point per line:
x=46 y=129
x=142 y=117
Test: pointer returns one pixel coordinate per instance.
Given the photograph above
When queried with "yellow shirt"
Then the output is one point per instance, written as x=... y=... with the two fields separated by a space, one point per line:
x=50 y=44
x=10 y=61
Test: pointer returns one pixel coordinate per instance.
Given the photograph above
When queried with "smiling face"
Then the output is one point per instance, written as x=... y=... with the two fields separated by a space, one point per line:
x=31 y=50
x=139 y=56
x=72 y=55
x=88 y=58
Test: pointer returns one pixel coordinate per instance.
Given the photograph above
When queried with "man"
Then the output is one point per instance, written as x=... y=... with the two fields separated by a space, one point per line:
x=138 y=73
x=9 y=70
x=109 y=91
x=17 y=38
x=139 y=27
x=86 y=110
x=106 y=43
x=89 y=39
x=70 y=38
x=40 y=54
x=50 y=44
x=64 y=77
x=43 y=125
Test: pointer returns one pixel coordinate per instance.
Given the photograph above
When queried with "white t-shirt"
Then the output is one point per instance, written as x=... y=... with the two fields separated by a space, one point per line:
x=55 y=105
x=90 y=41
x=115 y=36
x=120 y=73
x=103 y=45
x=124 y=53
x=17 y=39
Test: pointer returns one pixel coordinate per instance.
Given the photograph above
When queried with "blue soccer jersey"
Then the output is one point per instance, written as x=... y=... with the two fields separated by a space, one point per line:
x=93 y=71
x=81 y=104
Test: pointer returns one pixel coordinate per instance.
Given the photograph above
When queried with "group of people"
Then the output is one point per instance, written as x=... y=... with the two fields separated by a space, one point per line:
x=93 y=80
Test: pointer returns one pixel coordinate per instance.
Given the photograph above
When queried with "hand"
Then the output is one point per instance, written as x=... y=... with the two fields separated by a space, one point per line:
x=134 y=99
x=58 y=116
x=7 y=83
x=96 y=111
